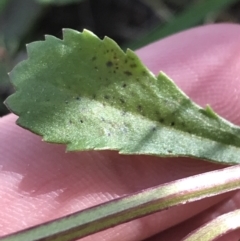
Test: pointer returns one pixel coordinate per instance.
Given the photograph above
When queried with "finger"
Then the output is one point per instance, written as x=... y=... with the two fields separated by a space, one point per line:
x=41 y=182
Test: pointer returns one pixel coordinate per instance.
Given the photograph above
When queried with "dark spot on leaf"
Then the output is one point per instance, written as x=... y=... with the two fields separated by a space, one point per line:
x=133 y=65
x=81 y=121
x=122 y=100
x=114 y=71
x=102 y=119
x=172 y=123
x=106 y=97
x=126 y=61
x=144 y=72
x=124 y=85
x=109 y=134
x=169 y=151
x=70 y=121
x=154 y=128
x=109 y=64
x=161 y=120
x=94 y=58
x=94 y=96
x=139 y=107
x=66 y=102
x=96 y=68
x=112 y=50
x=77 y=98
x=128 y=73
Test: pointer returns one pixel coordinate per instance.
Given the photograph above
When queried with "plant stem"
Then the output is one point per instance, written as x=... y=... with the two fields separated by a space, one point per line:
x=134 y=206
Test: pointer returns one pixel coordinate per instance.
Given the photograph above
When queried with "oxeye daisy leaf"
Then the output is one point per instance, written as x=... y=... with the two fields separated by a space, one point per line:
x=90 y=95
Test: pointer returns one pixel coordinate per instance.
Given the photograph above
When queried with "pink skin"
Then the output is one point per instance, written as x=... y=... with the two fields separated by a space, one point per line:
x=40 y=182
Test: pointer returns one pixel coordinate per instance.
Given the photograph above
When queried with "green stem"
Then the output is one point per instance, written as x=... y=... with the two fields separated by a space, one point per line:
x=217 y=227
x=134 y=206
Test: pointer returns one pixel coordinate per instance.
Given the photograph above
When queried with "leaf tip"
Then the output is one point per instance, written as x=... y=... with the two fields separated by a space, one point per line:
x=209 y=112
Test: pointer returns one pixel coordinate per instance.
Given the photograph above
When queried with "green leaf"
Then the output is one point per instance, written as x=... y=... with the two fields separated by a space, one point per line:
x=3 y=5
x=59 y=2
x=89 y=94
x=15 y=24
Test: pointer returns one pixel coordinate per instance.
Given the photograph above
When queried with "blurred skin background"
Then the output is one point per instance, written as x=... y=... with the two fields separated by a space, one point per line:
x=131 y=23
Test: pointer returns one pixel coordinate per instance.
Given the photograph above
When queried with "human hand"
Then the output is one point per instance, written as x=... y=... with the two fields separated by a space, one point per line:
x=40 y=182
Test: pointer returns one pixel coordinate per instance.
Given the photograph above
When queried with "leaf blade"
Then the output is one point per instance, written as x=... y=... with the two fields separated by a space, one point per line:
x=89 y=94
